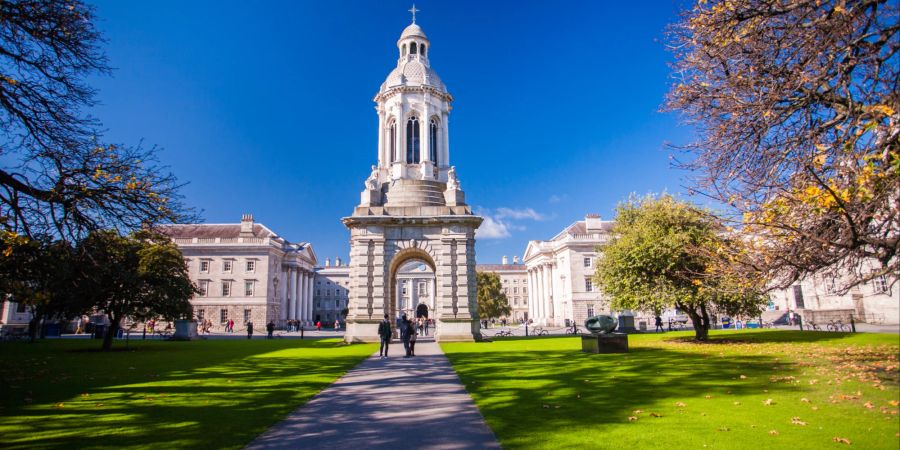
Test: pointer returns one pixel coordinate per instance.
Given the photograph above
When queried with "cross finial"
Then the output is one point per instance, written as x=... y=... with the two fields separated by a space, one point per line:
x=414 y=10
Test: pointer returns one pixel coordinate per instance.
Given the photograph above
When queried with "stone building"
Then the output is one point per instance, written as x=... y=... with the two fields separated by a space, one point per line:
x=412 y=208
x=818 y=298
x=332 y=292
x=246 y=272
x=560 y=272
x=514 y=278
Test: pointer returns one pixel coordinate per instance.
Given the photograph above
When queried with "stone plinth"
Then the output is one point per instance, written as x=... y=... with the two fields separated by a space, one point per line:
x=604 y=343
x=185 y=330
x=626 y=324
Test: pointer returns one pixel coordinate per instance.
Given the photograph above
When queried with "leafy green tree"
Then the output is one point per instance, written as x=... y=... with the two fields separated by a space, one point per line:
x=663 y=254
x=37 y=274
x=492 y=302
x=140 y=277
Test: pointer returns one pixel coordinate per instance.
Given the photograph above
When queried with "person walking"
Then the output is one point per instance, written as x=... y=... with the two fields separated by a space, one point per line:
x=249 y=330
x=318 y=325
x=659 y=326
x=384 y=331
x=427 y=322
x=412 y=338
x=405 y=329
x=337 y=324
x=270 y=328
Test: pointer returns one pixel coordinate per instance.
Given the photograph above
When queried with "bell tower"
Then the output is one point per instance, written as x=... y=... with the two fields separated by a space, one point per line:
x=412 y=207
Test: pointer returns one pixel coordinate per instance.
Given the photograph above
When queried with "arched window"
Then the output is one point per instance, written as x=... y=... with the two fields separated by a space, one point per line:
x=412 y=141
x=412 y=48
x=433 y=141
x=403 y=50
x=392 y=140
x=422 y=50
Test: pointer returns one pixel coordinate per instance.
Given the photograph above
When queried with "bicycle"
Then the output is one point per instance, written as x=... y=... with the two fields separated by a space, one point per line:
x=837 y=325
x=538 y=331
x=812 y=326
x=502 y=333
x=572 y=330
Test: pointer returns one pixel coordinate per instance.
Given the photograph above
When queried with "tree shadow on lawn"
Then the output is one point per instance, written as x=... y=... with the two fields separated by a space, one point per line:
x=527 y=396
x=219 y=398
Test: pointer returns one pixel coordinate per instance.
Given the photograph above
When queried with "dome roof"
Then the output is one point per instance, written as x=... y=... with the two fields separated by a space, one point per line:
x=413 y=30
x=413 y=73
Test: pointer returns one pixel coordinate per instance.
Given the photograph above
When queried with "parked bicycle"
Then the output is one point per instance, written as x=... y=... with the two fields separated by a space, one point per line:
x=539 y=331
x=838 y=325
x=812 y=326
x=502 y=333
x=572 y=330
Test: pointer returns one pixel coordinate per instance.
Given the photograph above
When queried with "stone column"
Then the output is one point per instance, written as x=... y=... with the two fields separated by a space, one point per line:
x=431 y=297
x=548 y=293
x=309 y=294
x=445 y=150
x=382 y=147
x=297 y=291
x=281 y=301
x=424 y=132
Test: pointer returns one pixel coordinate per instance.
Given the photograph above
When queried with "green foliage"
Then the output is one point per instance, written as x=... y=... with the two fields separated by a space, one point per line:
x=36 y=273
x=661 y=256
x=492 y=302
x=673 y=393
x=139 y=277
x=60 y=394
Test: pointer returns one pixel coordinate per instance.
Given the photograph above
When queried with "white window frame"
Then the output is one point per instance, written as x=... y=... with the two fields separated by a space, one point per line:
x=227 y=266
x=226 y=289
x=250 y=267
x=203 y=285
x=588 y=285
x=879 y=284
x=588 y=262
x=204 y=266
x=249 y=288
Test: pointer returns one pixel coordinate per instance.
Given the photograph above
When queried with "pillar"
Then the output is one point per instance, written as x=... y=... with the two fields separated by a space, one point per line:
x=309 y=294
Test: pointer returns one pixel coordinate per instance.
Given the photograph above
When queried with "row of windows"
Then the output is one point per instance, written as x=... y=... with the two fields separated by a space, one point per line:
x=227 y=264
x=226 y=288
x=327 y=303
x=515 y=290
x=337 y=292
x=223 y=315
x=413 y=49
x=413 y=138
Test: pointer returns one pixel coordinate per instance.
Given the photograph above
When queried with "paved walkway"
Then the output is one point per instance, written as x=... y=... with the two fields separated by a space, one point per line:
x=387 y=404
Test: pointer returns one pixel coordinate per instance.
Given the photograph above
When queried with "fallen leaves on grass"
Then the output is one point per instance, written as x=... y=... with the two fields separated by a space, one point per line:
x=841 y=440
x=632 y=418
x=653 y=414
x=804 y=400
x=638 y=411
x=773 y=432
x=680 y=404
x=869 y=405
x=768 y=402
x=797 y=421
x=59 y=405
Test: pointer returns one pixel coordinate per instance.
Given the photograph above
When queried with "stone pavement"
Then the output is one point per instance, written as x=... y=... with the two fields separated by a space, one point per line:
x=394 y=403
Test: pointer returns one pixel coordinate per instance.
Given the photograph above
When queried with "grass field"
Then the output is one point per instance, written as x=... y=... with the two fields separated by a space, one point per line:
x=201 y=394
x=752 y=389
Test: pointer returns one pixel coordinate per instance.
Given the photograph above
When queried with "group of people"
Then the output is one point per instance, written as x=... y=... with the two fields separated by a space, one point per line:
x=204 y=326
x=409 y=330
x=293 y=325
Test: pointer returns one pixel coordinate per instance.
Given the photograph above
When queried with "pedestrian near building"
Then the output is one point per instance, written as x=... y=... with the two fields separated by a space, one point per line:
x=405 y=329
x=412 y=338
x=384 y=331
x=270 y=327
x=659 y=324
x=249 y=330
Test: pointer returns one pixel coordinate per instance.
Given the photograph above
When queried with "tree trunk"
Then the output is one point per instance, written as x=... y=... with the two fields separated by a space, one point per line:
x=701 y=329
x=34 y=326
x=111 y=331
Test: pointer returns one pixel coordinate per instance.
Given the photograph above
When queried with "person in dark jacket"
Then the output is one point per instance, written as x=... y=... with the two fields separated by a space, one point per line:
x=249 y=330
x=384 y=331
x=406 y=329
x=270 y=327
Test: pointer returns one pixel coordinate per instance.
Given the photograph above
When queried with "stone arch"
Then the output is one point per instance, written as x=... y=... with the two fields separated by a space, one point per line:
x=409 y=251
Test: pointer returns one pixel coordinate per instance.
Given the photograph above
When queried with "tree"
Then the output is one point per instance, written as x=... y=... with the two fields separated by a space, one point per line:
x=492 y=302
x=138 y=277
x=797 y=107
x=57 y=176
x=662 y=255
x=37 y=274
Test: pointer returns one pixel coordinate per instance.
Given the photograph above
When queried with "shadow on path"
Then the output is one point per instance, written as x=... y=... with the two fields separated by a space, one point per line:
x=388 y=403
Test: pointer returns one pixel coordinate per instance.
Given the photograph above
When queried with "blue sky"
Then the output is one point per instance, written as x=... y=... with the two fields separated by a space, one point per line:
x=266 y=107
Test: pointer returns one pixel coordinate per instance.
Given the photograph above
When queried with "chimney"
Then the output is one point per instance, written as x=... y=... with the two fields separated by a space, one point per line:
x=504 y=260
x=327 y=262
x=337 y=261
x=592 y=223
x=515 y=259
x=247 y=225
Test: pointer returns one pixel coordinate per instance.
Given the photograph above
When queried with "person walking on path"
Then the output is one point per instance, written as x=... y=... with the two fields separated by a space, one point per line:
x=270 y=327
x=384 y=331
x=412 y=338
x=659 y=326
x=405 y=328
x=249 y=330
x=318 y=325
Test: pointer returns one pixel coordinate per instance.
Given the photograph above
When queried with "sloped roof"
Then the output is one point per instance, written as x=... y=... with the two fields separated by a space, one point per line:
x=498 y=267
x=228 y=230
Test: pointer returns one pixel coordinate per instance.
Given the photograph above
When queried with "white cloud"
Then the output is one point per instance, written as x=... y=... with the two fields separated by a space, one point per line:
x=492 y=229
x=557 y=198
x=519 y=214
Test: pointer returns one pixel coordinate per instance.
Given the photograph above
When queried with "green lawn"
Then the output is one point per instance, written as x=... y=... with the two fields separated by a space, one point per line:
x=201 y=394
x=749 y=389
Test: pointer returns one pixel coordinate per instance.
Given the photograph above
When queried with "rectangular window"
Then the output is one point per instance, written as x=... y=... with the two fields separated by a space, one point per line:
x=251 y=266
x=590 y=310
x=588 y=262
x=223 y=315
x=248 y=288
x=226 y=266
x=318 y=292
x=798 y=297
x=515 y=290
x=200 y=313
x=226 y=288
x=880 y=284
x=204 y=288
x=524 y=290
x=588 y=285
x=204 y=266
x=20 y=308
x=328 y=292
x=831 y=286
x=246 y=315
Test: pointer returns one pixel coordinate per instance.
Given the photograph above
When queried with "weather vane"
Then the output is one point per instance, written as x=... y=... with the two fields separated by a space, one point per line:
x=413 y=10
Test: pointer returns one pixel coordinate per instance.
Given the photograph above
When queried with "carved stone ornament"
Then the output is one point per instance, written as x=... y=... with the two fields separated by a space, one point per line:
x=372 y=181
x=452 y=181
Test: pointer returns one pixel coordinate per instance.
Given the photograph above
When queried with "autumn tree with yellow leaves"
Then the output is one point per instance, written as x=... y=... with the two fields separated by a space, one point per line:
x=57 y=176
x=796 y=105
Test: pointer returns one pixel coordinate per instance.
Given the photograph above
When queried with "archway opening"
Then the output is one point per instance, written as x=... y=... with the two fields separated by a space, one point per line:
x=413 y=286
x=422 y=311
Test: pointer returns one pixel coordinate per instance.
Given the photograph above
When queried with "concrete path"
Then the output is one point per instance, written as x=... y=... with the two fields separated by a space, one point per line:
x=394 y=403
